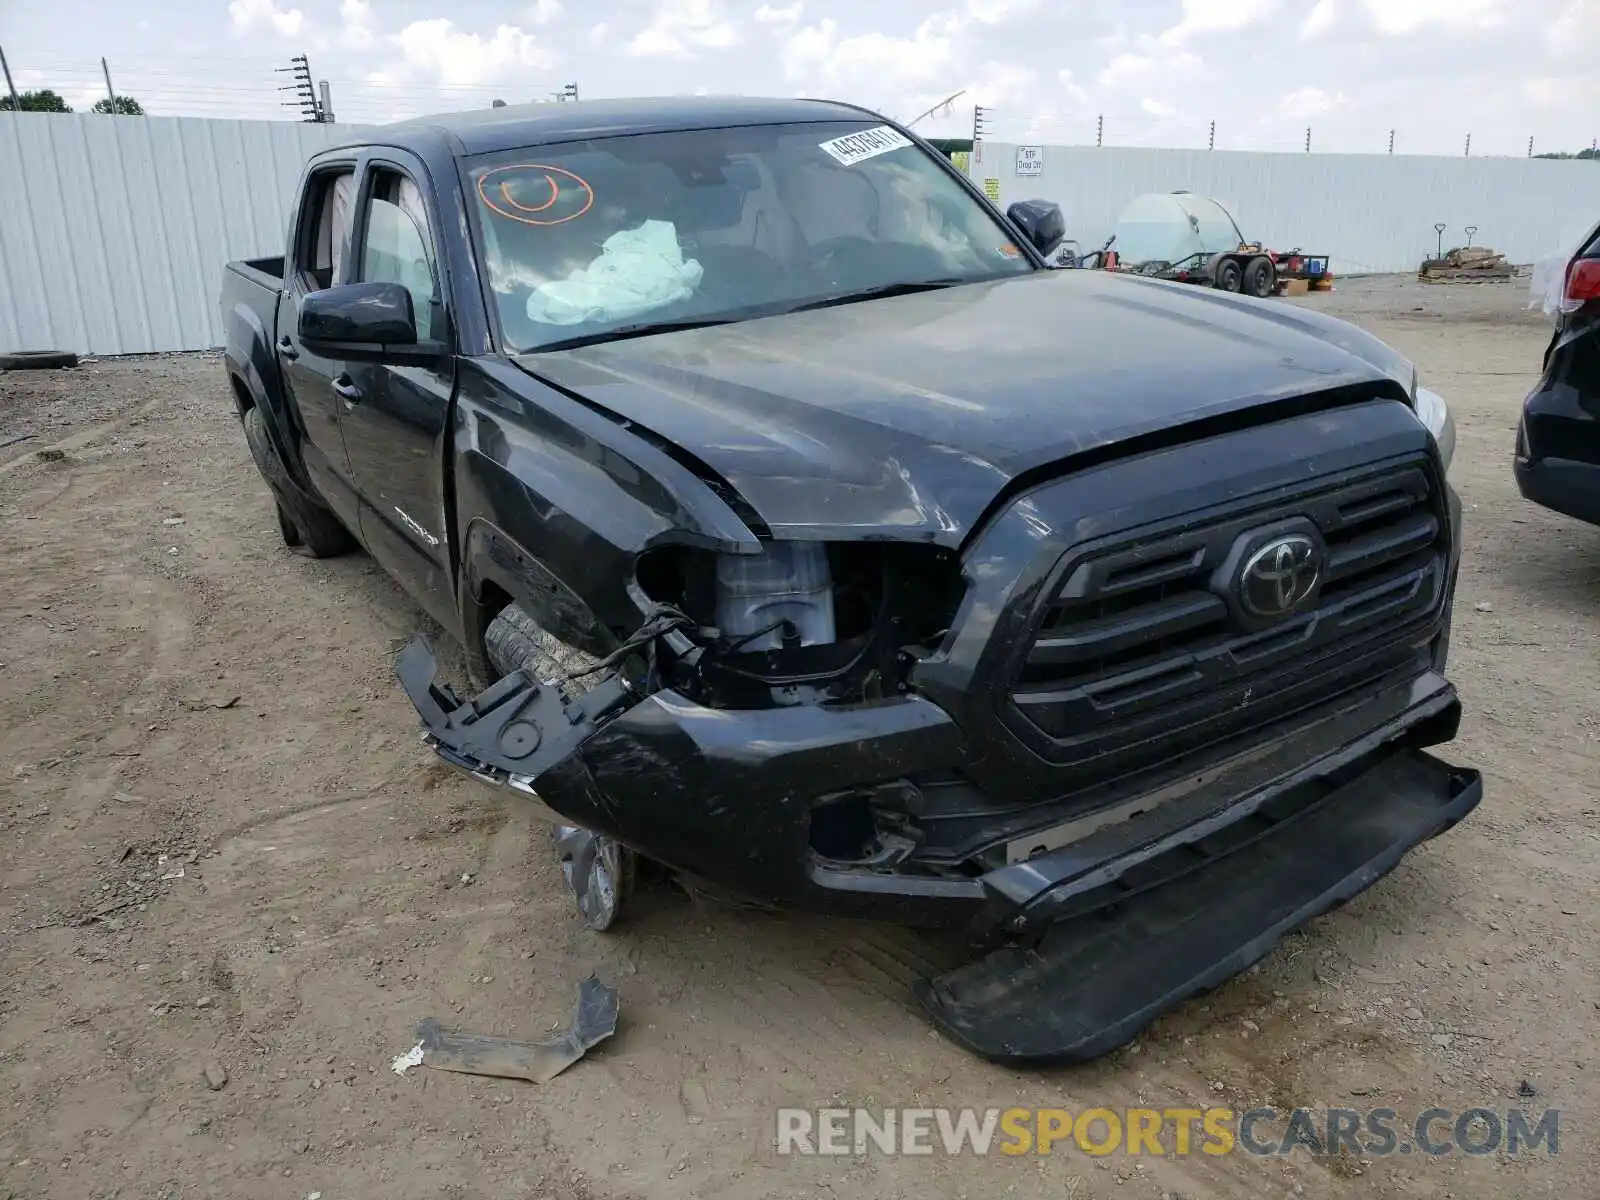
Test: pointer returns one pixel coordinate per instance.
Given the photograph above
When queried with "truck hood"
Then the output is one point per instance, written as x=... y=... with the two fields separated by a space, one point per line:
x=905 y=417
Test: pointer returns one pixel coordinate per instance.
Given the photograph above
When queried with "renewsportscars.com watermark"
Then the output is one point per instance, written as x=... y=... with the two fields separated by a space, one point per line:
x=1373 y=1132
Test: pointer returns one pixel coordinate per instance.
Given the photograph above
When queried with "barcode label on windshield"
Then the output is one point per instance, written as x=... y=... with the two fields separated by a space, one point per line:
x=869 y=143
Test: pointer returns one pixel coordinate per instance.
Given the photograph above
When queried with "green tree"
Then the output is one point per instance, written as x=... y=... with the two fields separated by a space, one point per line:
x=122 y=106
x=43 y=100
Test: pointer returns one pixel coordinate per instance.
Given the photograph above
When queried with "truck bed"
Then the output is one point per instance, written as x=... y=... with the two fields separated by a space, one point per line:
x=268 y=272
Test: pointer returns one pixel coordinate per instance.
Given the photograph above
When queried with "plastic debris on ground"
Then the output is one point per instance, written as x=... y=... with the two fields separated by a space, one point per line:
x=537 y=1060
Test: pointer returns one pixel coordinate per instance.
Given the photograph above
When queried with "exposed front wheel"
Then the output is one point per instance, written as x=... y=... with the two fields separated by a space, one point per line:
x=599 y=869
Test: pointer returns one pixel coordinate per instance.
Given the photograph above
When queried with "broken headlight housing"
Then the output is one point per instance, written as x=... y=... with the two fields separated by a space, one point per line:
x=803 y=621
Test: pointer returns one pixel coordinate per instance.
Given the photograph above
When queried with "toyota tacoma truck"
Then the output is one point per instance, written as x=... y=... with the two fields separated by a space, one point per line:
x=812 y=541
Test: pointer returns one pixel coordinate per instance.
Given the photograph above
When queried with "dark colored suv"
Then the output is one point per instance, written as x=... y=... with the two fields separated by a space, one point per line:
x=1558 y=441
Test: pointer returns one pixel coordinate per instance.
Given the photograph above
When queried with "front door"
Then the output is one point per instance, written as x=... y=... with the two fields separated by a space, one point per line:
x=395 y=418
x=318 y=250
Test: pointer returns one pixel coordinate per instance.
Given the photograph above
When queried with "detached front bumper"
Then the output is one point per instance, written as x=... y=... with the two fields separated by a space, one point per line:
x=1081 y=945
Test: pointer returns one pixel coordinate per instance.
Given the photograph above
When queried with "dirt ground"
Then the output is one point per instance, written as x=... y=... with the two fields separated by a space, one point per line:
x=223 y=848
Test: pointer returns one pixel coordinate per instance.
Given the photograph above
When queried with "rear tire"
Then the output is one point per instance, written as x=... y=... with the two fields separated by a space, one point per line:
x=1229 y=277
x=1260 y=278
x=307 y=528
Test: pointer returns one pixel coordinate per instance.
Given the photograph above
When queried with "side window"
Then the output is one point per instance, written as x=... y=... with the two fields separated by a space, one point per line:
x=326 y=226
x=397 y=247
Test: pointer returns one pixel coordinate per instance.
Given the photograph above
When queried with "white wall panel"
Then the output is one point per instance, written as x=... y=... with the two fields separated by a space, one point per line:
x=1368 y=212
x=114 y=230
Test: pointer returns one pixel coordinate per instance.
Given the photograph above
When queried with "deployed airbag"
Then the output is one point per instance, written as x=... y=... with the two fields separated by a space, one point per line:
x=638 y=271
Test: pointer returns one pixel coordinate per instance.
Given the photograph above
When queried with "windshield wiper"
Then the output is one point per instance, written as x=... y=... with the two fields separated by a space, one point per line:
x=878 y=292
x=622 y=332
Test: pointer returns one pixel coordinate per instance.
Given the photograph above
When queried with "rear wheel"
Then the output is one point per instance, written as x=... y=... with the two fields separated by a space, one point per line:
x=1229 y=277
x=1260 y=278
x=599 y=869
x=307 y=528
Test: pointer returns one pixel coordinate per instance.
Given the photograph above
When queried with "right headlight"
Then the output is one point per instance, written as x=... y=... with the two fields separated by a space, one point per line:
x=1433 y=412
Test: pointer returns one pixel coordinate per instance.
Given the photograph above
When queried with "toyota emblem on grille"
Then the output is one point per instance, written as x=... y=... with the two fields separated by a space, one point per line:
x=1279 y=576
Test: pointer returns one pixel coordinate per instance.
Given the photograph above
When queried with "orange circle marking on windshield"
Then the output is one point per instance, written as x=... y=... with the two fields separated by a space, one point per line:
x=505 y=194
x=517 y=212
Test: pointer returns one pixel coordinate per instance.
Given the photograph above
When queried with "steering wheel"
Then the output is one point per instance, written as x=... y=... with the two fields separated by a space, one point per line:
x=831 y=259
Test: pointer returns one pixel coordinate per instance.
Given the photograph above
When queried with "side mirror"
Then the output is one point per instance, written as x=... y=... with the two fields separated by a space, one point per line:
x=1041 y=222
x=372 y=322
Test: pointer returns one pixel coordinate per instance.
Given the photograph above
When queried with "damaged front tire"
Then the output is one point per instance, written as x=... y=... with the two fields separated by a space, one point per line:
x=599 y=869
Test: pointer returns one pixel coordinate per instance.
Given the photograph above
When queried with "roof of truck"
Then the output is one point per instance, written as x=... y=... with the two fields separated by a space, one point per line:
x=486 y=130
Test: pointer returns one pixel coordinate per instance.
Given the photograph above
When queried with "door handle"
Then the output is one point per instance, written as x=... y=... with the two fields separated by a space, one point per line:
x=286 y=348
x=347 y=390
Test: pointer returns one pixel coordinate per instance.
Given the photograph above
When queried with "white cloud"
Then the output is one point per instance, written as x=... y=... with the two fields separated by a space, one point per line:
x=1399 y=18
x=248 y=16
x=787 y=14
x=1156 y=108
x=998 y=12
x=1133 y=71
x=1576 y=31
x=358 y=27
x=1308 y=102
x=888 y=69
x=436 y=51
x=544 y=11
x=1320 y=20
x=681 y=27
x=1202 y=17
x=597 y=35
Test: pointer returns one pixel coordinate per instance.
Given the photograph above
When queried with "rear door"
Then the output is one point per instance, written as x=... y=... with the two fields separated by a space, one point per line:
x=319 y=253
x=395 y=418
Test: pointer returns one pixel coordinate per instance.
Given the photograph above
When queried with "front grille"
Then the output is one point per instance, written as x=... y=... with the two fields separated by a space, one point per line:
x=1136 y=638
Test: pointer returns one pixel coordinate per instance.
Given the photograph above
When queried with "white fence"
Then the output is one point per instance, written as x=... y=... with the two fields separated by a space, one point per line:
x=1368 y=212
x=114 y=230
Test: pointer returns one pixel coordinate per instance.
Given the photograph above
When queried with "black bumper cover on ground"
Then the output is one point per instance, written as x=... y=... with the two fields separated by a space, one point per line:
x=1093 y=983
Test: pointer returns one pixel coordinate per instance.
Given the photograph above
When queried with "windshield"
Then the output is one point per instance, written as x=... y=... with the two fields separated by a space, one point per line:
x=587 y=240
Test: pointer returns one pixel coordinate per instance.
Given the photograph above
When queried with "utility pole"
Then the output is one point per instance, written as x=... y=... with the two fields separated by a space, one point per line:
x=1211 y=142
x=1530 y=147
x=1391 y=141
x=111 y=95
x=570 y=92
x=327 y=101
x=1467 y=153
x=1308 y=139
x=16 y=104
x=1100 y=130
x=303 y=90
x=977 y=123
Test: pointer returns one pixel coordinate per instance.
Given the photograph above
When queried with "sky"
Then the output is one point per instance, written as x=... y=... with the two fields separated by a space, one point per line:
x=1158 y=72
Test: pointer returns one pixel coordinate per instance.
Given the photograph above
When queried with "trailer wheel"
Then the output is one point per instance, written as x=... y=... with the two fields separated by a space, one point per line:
x=1229 y=277
x=1260 y=278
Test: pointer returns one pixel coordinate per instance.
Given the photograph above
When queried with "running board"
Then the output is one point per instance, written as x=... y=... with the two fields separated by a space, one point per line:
x=1094 y=982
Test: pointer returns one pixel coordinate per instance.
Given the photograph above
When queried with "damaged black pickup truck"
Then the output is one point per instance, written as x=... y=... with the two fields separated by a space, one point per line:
x=817 y=543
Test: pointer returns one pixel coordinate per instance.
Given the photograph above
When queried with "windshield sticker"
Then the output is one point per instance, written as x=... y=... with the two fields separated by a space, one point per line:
x=869 y=143
x=535 y=194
